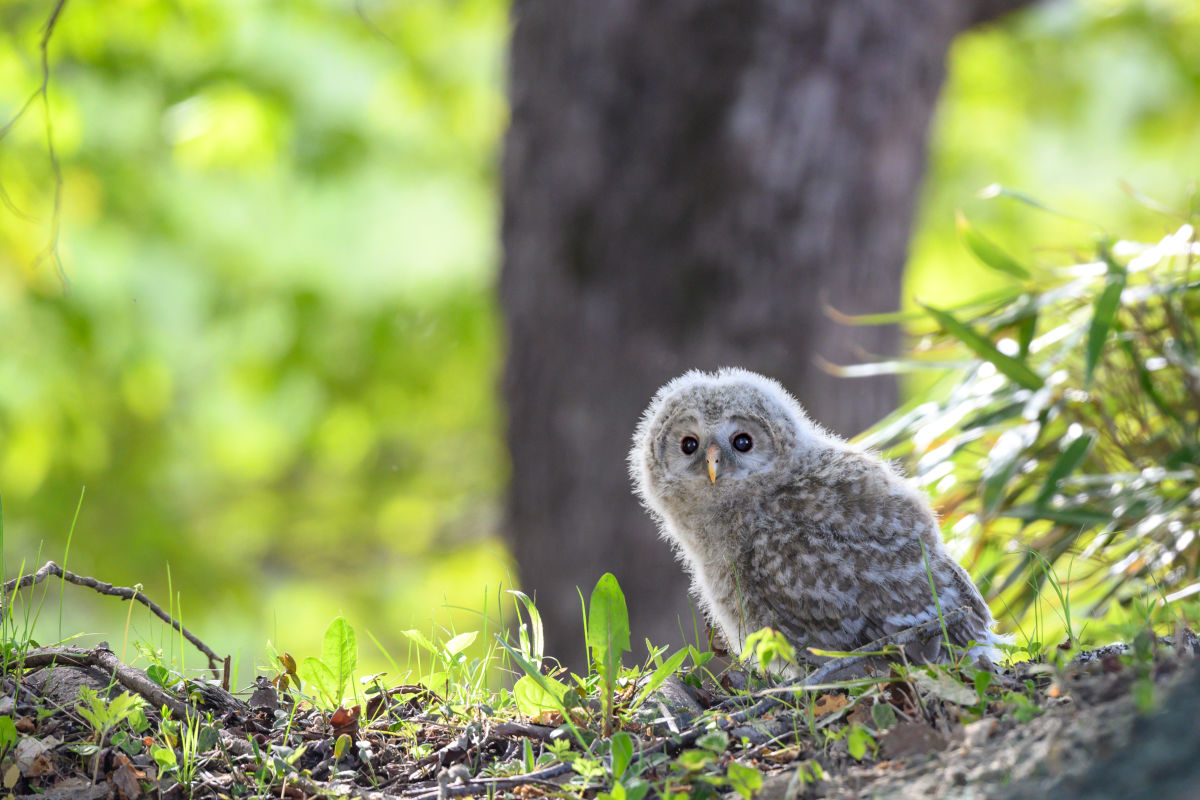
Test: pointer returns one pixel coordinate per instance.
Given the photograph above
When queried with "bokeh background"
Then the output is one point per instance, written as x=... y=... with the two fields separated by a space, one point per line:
x=262 y=328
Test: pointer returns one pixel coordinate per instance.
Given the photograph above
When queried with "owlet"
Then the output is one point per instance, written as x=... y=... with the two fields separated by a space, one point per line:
x=782 y=524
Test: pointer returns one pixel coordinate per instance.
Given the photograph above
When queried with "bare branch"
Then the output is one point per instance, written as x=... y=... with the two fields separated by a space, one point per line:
x=215 y=662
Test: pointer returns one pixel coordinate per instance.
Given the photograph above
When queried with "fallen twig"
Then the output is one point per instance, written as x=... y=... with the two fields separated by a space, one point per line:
x=486 y=785
x=215 y=662
x=133 y=679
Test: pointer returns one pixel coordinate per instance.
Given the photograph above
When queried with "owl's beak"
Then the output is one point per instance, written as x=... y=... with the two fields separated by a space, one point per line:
x=714 y=458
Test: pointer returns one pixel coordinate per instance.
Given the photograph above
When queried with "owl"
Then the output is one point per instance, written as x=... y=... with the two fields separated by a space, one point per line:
x=782 y=524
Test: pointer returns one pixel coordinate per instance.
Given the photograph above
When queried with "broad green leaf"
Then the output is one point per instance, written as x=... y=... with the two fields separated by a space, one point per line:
x=608 y=624
x=857 y=742
x=664 y=671
x=988 y=251
x=460 y=642
x=534 y=696
x=635 y=788
x=1017 y=370
x=1064 y=465
x=622 y=753
x=341 y=746
x=165 y=758
x=339 y=651
x=693 y=760
x=8 y=733
x=715 y=741
x=317 y=675
x=1104 y=314
x=608 y=637
x=159 y=674
x=745 y=779
x=547 y=684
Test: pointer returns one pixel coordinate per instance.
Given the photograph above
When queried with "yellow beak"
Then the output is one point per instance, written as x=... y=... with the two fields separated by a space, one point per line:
x=714 y=458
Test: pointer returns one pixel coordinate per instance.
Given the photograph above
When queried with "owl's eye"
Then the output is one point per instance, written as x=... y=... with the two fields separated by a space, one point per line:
x=742 y=443
x=689 y=444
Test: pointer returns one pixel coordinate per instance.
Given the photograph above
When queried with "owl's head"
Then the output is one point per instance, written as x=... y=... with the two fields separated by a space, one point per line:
x=707 y=436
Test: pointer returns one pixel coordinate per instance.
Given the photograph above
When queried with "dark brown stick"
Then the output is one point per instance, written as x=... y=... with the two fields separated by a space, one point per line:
x=125 y=593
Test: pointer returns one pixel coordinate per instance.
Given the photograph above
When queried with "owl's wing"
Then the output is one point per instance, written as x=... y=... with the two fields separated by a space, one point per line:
x=843 y=561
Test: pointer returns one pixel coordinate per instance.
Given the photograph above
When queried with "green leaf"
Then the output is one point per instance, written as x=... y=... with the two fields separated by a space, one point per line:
x=339 y=651
x=1104 y=314
x=857 y=742
x=342 y=746
x=745 y=779
x=1064 y=465
x=8 y=734
x=160 y=675
x=982 y=347
x=608 y=624
x=418 y=638
x=693 y=760
x=622 y=753
x=988 y=251
x=608 y=637
x=1025 y=331
x=460 y=643
x=546 y=683
x=165 y=758
x=768 y=645
x=635 y=788
x=664 y=671
x=883 y=715
x=983 y=679
x=534 y=696
x=315 y=673
x=715 y=741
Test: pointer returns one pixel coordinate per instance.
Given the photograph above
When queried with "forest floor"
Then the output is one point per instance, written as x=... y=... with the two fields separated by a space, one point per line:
x=1028 y=732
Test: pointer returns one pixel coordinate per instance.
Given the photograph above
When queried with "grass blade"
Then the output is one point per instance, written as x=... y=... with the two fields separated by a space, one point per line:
x=982 y=347
x=988 y=251
x=1065 y=464
x=1103 y=316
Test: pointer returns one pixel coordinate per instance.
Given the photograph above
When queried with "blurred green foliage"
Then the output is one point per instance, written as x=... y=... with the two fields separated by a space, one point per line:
x=273 y=362
x=273 y=365
x=1065 y=448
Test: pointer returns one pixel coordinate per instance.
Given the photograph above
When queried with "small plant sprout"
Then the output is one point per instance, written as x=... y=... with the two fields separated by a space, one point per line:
x=608 y=637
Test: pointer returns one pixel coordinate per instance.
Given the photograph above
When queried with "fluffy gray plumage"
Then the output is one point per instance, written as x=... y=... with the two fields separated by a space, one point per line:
x=801 y=531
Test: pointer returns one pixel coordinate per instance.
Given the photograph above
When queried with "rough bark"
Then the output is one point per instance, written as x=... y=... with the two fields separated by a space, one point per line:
x=685 y=181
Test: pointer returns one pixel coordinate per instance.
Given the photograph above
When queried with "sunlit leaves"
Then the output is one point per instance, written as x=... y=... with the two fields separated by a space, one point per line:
x=1075 y=433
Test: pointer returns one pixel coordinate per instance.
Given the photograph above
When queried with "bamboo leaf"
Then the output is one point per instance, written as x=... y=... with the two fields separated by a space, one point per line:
x=982 y=347
x=1104 y=314
x=1065 y=464
x=988 y=251
x=664 y=671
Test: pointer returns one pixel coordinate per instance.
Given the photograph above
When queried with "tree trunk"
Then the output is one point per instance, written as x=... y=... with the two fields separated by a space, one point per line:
x=686 y=183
